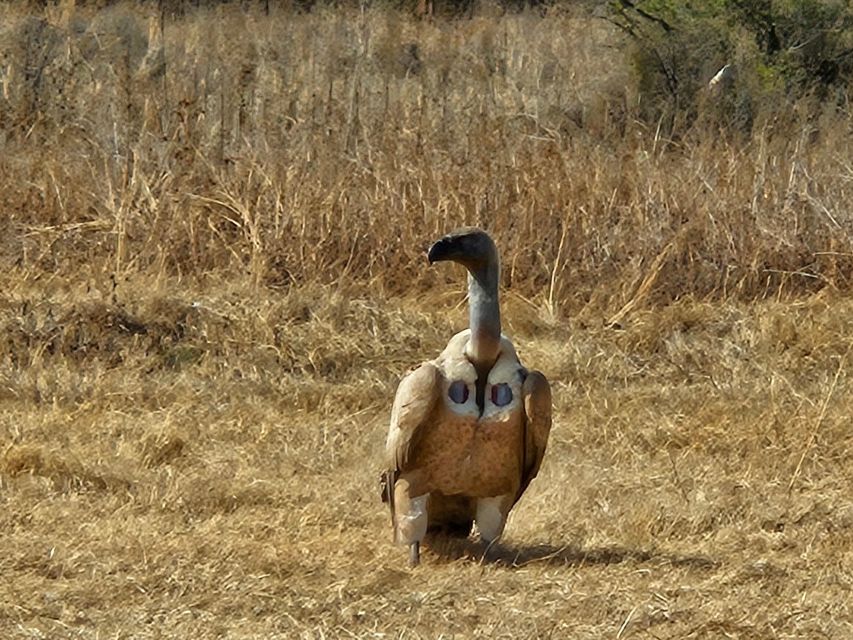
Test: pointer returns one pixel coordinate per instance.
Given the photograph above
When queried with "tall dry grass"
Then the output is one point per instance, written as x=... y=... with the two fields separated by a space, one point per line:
x=213 y=278
x=286 y=146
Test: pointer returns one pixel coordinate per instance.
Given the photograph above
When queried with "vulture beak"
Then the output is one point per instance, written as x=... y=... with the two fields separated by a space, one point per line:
x=444 y=249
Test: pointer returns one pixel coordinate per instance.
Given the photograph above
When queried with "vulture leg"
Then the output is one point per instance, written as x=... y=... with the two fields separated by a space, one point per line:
x=411 y=518
x=491 y=517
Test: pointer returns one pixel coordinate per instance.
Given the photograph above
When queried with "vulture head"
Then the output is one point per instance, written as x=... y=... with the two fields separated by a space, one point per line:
x=469 y=246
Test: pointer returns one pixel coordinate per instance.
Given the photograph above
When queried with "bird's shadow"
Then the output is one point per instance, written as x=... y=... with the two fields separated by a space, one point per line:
x=516 y=556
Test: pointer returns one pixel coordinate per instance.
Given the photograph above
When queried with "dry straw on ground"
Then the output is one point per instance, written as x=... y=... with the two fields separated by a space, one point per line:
x=213 y=278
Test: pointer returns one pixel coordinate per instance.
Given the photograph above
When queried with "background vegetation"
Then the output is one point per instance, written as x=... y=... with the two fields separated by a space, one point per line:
x=214 y=218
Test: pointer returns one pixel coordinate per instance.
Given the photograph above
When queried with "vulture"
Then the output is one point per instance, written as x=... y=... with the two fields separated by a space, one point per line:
x=468 y=430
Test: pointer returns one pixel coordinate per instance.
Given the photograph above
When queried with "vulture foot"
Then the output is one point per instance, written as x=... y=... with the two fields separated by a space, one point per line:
x=414 y=554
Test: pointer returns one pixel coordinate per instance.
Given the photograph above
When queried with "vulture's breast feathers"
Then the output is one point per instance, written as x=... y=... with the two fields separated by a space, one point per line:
x=503 y=400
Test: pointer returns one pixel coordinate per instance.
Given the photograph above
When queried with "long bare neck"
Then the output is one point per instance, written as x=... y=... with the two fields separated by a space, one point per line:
x=484 y=317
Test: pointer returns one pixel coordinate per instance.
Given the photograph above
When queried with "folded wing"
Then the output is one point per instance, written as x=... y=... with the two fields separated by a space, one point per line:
x=413 y=405
x=536 y=396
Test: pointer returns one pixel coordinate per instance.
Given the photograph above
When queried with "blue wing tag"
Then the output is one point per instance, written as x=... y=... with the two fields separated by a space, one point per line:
x=458 y=392
x=501 y=394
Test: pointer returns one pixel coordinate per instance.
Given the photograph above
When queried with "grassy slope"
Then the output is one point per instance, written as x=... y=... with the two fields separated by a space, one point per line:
x=201 y=339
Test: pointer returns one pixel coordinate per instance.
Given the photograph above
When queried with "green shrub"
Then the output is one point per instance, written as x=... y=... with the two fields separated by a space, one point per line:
x=781 y=50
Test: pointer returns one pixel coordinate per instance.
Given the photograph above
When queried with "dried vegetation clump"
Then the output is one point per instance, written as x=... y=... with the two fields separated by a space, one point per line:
x=213 y=277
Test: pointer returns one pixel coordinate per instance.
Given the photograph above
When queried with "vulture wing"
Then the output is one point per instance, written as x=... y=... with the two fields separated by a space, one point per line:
x=536 y=395
x=416 y=397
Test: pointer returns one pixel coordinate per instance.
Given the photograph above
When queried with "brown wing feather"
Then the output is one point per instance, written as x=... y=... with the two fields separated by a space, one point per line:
x=536 y=395
x=414 y=401
x=413 y=404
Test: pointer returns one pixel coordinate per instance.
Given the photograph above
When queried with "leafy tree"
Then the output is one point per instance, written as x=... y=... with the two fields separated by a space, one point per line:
x=780 y=49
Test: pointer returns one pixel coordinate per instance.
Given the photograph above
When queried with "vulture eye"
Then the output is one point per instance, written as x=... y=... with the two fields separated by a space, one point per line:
x=501 y=394
x=458 y=392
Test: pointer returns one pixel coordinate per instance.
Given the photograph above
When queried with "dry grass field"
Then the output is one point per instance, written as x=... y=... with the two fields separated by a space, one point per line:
x=213 y=278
